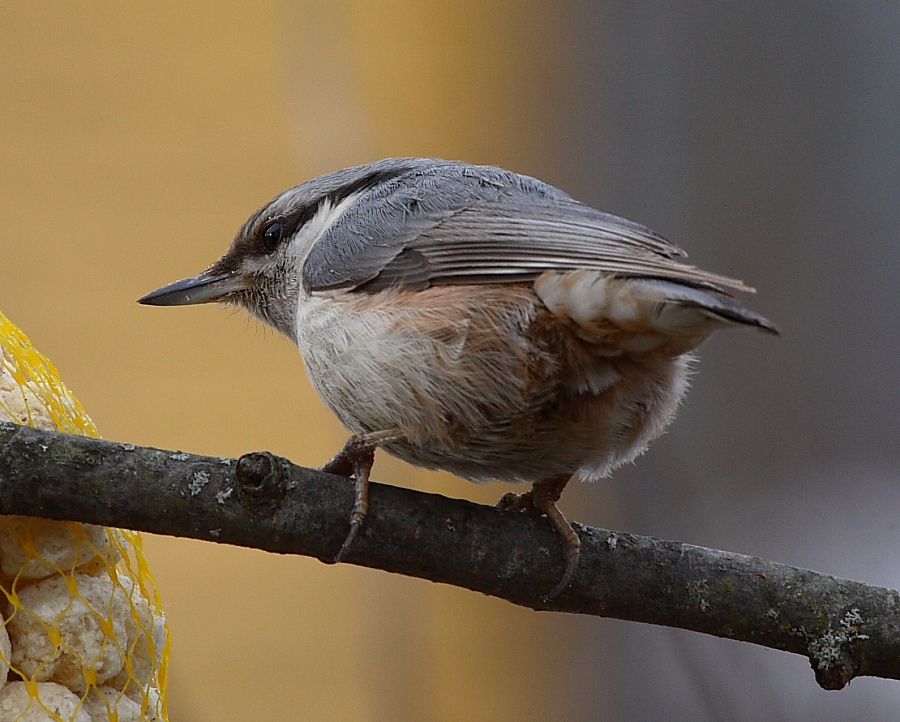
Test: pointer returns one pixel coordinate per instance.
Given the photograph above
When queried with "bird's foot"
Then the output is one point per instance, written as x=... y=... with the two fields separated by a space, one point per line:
x=541 y=501
x=356 y=460
x=519 y=502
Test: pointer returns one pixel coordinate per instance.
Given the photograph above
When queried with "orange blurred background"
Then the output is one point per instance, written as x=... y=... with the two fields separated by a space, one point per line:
x=136 y=139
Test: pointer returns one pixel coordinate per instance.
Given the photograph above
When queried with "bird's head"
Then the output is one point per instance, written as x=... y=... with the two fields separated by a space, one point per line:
x=262 y=270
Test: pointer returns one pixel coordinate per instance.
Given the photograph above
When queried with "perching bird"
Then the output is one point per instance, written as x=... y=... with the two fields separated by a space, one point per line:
x=471 y=319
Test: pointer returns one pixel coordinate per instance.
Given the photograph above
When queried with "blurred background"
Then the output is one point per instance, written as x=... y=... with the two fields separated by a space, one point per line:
x=135 y=138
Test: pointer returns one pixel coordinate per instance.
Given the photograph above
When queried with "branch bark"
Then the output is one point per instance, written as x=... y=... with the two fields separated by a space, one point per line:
x=846 y=628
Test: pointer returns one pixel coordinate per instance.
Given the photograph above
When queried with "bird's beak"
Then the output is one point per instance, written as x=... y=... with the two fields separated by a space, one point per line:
x=206 y=287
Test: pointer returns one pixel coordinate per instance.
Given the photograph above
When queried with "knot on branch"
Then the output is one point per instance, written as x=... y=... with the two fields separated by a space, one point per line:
x=835 y=654
x=262 y=481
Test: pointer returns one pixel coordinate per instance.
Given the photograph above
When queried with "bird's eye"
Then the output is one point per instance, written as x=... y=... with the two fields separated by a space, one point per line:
x=271 y=235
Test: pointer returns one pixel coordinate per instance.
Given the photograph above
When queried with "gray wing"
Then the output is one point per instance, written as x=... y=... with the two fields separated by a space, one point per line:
x=457 y=223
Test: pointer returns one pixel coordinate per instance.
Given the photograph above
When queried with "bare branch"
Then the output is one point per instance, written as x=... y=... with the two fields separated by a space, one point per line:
x=846 y=628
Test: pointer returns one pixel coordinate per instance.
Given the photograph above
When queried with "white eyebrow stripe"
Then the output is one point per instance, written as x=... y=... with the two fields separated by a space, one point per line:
x=325 y=217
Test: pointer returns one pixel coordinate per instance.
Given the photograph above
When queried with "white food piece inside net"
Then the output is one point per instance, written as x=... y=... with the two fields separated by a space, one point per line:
x=49 y=604
x=105 y=703
x=52 y=704
x=145 y=629
x=16 y=402
x=154 y=712
x=35 y=548
x=5 y=654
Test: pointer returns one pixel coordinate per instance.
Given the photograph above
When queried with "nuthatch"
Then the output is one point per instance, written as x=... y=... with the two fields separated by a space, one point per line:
x=471 y=319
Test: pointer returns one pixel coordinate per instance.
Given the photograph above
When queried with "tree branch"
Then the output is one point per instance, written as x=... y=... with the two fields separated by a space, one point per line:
x=846 y=628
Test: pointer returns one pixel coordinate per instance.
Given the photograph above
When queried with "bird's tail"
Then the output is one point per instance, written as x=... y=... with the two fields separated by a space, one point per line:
x=642 y=314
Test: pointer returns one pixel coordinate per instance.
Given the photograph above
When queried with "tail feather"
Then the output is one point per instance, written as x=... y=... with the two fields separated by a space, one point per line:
x=716 y=304
x=635 y=314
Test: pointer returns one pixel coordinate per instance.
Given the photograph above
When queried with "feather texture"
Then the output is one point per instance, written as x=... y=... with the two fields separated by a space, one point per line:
x=438 y=222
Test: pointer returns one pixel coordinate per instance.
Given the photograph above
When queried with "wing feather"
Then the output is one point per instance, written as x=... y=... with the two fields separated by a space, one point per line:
x=456 y=223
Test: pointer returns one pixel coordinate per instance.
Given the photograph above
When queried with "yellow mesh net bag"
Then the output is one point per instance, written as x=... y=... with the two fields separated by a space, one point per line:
x=83 y=637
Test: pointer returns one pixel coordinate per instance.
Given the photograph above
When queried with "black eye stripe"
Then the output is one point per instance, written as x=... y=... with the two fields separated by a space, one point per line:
x=276 y=231
x=299 y=217
x=271 y=236
x=364 y=183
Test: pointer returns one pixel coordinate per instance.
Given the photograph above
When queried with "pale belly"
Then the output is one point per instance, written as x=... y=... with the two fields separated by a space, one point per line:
x=485 y=383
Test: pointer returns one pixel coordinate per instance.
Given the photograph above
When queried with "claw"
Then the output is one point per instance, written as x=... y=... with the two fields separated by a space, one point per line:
x=518 y=502
x=541 y=500
x=572 y=549
x=356 y=460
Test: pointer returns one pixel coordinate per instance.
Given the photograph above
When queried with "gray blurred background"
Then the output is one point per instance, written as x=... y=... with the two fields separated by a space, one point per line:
x=762 y=137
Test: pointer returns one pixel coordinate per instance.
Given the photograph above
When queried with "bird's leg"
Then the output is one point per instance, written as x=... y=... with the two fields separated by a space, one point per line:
x=356 y=459
x=541 y=500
